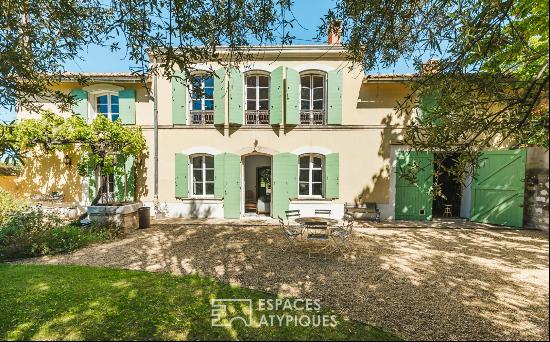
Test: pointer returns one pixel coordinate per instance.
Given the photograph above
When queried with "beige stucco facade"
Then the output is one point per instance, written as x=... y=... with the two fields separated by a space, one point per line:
x=363 y=140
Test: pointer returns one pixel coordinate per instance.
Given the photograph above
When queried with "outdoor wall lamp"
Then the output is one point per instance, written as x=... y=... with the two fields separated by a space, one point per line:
x=67 y=160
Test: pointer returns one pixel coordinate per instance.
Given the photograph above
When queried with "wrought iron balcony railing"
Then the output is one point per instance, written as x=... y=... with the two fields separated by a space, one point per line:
x=201 y=117
x=257 y=117
x=312 y=117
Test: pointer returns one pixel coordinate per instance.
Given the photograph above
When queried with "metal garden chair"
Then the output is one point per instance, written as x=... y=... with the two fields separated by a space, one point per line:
x=342 y=234
x=290 y=233
x=322 y=212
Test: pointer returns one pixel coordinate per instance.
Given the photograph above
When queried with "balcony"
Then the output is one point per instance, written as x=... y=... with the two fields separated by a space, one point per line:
x=256 y=117
x=201 y=117
x=312 y=117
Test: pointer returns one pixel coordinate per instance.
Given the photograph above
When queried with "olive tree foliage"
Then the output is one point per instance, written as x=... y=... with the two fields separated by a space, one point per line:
x=38 y=37
x=489 y=88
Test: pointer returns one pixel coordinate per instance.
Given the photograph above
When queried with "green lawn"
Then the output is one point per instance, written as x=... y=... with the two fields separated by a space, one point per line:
x=85 y=303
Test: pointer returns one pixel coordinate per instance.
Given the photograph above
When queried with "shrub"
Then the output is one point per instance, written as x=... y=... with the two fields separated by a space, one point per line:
x=10 y=204
x=35 y=233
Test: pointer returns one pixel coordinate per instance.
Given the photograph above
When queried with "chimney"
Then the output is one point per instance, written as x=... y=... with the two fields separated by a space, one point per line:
x=335 y=32
x=431 y=66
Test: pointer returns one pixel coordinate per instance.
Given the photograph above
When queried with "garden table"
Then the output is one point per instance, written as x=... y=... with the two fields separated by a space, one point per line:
x=317 y=228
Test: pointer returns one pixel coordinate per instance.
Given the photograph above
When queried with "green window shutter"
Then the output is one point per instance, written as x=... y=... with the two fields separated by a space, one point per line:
x=232 y=191
x=236 y=97
x=127 y=106
x=179 y=99
x=92 y=181
x=332 y=175
x=219 y=97
x=80 y=107
x=285 y=182
x=182 y=167
x=334 y=94
x=276 y=96
x=219 y=181
x=292 y=97
x=130 y=170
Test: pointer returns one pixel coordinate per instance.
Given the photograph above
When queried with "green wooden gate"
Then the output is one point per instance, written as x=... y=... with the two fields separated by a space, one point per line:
x=412 y=200
x=498 y=188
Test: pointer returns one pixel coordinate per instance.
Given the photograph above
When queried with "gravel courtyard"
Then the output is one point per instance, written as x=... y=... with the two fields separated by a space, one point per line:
x=417 y=283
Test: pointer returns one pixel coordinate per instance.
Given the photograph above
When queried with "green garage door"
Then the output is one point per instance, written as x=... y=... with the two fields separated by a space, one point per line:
x=498 y=188
x=413 y=201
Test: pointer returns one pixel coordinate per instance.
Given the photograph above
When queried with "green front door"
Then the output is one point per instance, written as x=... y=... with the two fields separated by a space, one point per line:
x=498 y=188
x=413 y=200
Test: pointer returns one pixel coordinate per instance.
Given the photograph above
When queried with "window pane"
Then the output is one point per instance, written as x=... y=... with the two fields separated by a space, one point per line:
x=318 y=94
x=114 y=117
x=197 y=105
x=305 y=105
x=251 y=81
x=305 y=93
x=250 y=93
x=304 y=175
x=114 y=100
x=251 y=105
x=209 y=93
x=318 y=81
x=197 y=163
x=317 y=175
x=304 y=189
x=209 y=175
x=102 y=99
x=197 y=189
x=318 y=104
x=208 y=104
x=103 y=108
x=317 y=162
x=209 y=188
x=209 y=162
x=197 y=82
x=208 y=81
x=114 y=109
x=264 y=93
x=197 y=175
x=304 y=81
x=263 y=81
x=304 y=162
x=317 y=189
x=264 y=105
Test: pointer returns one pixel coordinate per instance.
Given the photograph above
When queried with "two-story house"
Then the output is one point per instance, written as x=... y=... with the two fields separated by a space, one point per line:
x=295 y=127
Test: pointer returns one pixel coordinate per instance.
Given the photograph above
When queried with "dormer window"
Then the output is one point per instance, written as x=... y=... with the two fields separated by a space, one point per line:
x=107 y=105
x=257 y=99
x=202 y=100
x=313 y=98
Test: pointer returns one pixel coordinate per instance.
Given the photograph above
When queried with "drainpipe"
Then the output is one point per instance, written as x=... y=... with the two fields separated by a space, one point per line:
x=156 y=133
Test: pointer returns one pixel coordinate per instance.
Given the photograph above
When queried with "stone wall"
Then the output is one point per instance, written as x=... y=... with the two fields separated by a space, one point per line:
x=536 y=189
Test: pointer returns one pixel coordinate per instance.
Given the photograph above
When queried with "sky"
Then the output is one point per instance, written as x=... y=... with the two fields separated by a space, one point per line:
x=308 y=14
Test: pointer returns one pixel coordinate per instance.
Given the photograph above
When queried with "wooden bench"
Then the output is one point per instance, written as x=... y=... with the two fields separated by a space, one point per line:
x=367 y=210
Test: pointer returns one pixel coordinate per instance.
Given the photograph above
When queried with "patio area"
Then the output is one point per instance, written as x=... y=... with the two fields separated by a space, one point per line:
x=417 y=283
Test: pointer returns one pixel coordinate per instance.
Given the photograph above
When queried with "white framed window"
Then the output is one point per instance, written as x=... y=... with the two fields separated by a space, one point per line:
x=312 y=91
x=202 y=175
x=106 y=104
x=257 y=92
x=311 y=176
x=202 y=96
